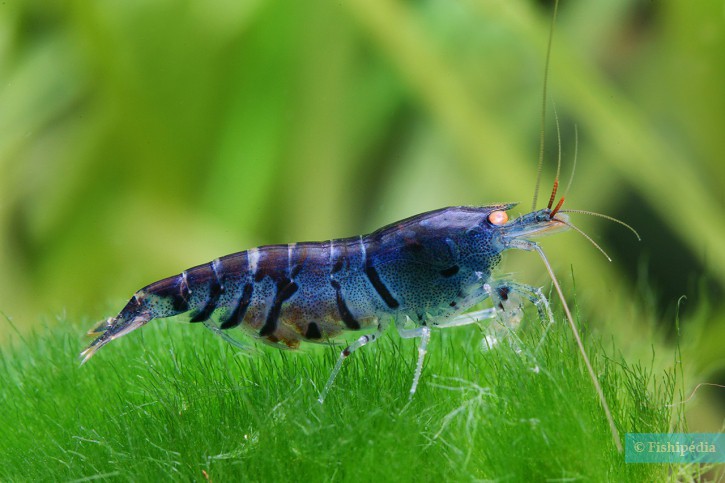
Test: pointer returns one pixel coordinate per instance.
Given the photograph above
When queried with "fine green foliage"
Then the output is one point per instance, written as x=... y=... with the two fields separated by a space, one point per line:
x=173 y=401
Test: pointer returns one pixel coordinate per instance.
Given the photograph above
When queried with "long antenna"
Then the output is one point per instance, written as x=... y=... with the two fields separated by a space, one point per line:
x=543 y=106
x=569 y=317
x=577 y=337
x=576 y=155
x=558 y=169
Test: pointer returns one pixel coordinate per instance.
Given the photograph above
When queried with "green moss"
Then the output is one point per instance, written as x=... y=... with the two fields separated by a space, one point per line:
x=172 y=401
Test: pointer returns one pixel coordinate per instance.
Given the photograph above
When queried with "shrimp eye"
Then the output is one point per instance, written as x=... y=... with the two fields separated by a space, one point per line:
x=498 y=217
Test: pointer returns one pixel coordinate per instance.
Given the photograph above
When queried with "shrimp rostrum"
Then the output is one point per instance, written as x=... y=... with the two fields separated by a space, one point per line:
x=422 y=272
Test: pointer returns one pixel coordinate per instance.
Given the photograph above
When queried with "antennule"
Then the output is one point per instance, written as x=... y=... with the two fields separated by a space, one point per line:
x=558 y=142
x=606 y=217
x=579 y=230
x=553 y=193
x=558 y=169
x=540 y=164
x=558 y=207
x=573 y=167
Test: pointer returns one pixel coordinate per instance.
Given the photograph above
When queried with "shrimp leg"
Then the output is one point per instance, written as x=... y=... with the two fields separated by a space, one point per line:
x=364 y=340
x=423 y=333
x=465 y=319
x=504 y=294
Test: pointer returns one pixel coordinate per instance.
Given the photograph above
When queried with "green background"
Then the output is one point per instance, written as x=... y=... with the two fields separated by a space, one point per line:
x=139 y=138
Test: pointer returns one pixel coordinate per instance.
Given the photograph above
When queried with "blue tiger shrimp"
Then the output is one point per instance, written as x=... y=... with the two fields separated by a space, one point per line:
x=429 y=268
x=427 y=271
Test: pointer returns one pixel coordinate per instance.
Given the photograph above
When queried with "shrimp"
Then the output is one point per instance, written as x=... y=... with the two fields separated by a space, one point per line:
x=427 y=271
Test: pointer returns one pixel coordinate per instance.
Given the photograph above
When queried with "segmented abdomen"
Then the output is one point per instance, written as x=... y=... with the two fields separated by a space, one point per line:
x=282 y=293
x=426 y=267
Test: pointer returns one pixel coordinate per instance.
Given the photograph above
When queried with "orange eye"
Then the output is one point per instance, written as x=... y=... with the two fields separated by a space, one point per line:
x=498 y=217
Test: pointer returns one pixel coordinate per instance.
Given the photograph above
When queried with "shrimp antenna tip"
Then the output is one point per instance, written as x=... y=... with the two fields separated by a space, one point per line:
x=606 y=217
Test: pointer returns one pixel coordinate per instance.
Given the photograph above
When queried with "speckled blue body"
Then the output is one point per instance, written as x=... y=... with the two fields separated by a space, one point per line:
x=426 y=267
